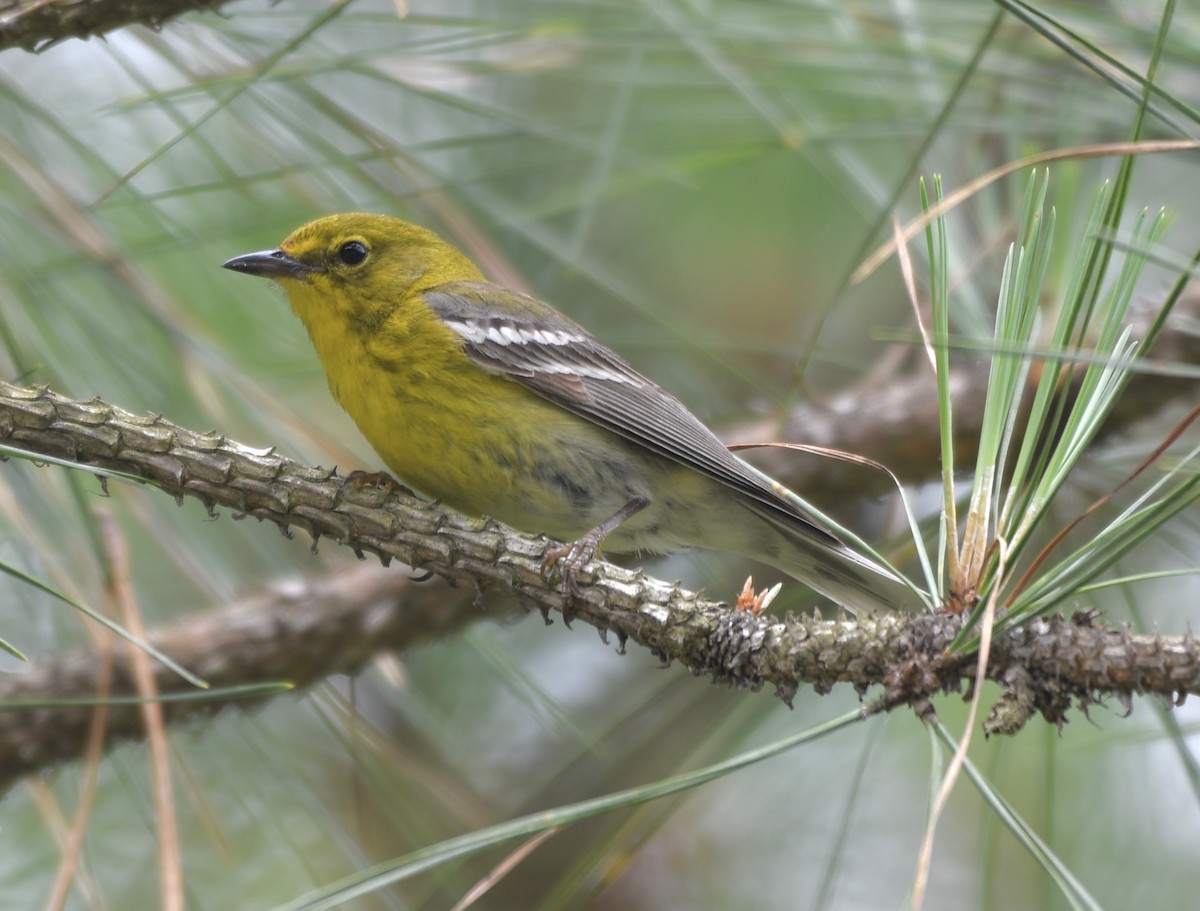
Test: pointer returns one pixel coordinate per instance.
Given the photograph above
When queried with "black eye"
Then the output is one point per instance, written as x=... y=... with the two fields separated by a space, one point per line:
x=353 y=252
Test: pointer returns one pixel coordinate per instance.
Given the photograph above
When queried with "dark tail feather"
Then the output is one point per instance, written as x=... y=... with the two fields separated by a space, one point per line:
x=850 y=579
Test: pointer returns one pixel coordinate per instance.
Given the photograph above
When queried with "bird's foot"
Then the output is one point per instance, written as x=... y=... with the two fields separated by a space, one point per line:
x=569 y=559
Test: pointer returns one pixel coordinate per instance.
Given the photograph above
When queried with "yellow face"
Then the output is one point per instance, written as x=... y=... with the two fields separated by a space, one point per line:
x=349 y=265
x=357 y=266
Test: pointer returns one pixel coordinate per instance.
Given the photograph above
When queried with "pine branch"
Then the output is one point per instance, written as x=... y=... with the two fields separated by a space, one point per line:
x=299 y=632
x=336 y=624
x=38 y=24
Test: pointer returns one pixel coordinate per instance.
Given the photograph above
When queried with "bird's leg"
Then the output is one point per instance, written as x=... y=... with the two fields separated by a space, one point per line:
x=570 y=558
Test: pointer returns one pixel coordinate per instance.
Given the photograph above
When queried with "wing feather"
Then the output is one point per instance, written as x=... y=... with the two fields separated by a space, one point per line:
x=560 y=361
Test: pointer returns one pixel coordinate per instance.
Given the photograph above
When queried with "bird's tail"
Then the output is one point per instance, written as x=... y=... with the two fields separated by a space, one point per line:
x=833 y=569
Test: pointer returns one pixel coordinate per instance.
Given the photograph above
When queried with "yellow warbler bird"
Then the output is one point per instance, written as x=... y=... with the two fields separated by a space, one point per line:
x=497 y=404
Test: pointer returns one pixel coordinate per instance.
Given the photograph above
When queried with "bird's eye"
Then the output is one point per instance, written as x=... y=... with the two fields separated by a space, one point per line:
x=353 y=252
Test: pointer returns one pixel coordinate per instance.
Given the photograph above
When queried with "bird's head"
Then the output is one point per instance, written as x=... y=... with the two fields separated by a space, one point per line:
x=361 y=265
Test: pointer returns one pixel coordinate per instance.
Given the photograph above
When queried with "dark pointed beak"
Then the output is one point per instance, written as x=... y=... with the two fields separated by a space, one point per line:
x=269 y=264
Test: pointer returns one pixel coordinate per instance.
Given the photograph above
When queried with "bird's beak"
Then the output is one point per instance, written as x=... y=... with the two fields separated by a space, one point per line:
x=269 y=264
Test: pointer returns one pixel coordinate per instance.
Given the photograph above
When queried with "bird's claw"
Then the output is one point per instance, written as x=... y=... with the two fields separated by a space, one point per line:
x=569 y=559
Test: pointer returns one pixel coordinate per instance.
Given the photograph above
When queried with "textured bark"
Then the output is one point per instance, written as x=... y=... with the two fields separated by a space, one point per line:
x=37 y=24
x=335 y=625
x=299 y=632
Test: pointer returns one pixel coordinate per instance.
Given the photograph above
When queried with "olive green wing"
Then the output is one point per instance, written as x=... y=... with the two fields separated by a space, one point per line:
x=520 y=337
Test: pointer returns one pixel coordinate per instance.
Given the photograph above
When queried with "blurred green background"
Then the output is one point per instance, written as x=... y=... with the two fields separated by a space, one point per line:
x=694 y=182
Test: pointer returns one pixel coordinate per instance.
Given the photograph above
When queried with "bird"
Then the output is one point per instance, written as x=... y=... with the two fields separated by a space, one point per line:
x=495 y=403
